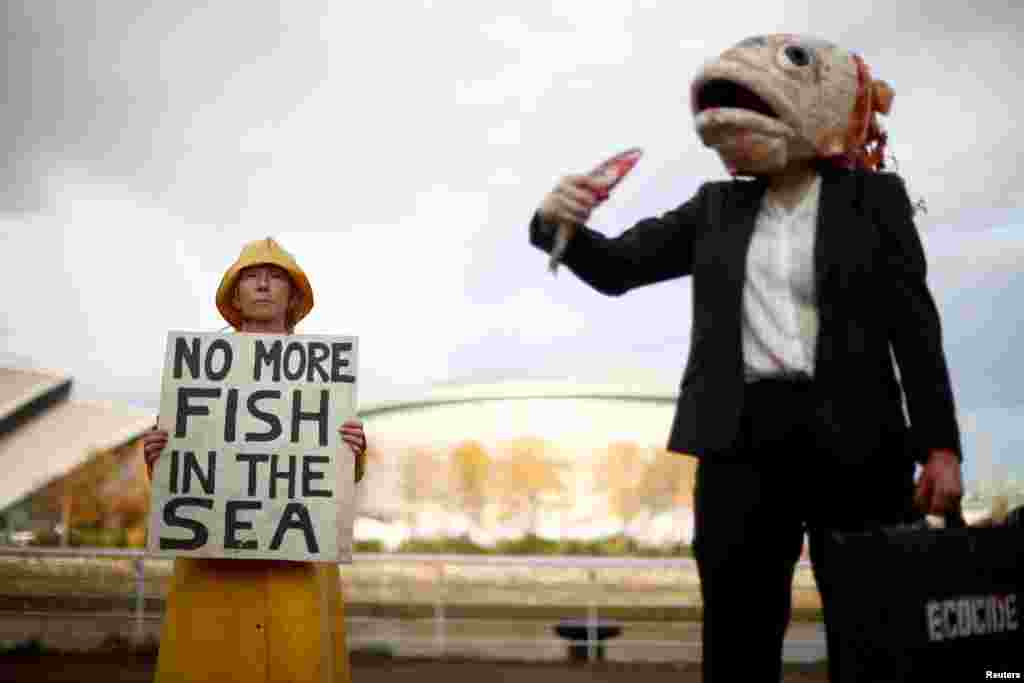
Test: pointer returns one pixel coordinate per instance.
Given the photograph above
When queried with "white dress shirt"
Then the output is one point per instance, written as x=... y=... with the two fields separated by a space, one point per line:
x=780 y=318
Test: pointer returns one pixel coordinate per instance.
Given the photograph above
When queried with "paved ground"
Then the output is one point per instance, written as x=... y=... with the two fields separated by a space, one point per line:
x=103 y=667
x=532 y=640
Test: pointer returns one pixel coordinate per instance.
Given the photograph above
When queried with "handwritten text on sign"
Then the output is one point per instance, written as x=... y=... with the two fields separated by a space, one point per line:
x=254 y=466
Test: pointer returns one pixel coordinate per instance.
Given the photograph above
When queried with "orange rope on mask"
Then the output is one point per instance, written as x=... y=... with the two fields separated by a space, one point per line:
x=866 y=141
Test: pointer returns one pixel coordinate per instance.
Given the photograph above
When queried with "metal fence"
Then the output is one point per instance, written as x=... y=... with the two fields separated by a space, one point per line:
x=74 y=597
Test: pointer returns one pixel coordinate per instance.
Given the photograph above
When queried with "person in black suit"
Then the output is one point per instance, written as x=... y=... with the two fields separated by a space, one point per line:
x=809 y=280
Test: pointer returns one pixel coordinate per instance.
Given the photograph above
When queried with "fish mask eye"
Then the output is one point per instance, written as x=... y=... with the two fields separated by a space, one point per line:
x=797 y=55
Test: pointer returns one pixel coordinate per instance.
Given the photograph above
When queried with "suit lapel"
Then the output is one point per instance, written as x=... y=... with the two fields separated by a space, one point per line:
x=835 y=245
x=835 y=209
x=740 y=218
x=719 y=278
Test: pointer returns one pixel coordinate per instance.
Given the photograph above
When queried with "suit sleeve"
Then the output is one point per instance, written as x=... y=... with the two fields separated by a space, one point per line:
x=653 y=250
x=915 y=331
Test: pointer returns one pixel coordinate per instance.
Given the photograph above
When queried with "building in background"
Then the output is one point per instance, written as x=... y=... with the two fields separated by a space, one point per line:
x=558 y=460
x=73 y=470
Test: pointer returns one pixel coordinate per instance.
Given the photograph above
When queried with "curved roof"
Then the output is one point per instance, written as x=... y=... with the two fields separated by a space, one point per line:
x=46 y=435
x=28 y=391
x=572 y=415
x=445 y=394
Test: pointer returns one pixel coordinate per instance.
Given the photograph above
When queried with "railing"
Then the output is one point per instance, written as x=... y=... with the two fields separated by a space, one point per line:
x=433 y=632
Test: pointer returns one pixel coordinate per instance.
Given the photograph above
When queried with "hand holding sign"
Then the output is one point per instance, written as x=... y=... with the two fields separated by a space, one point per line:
x=153 y=444
x=575 y=196
x=352 y=433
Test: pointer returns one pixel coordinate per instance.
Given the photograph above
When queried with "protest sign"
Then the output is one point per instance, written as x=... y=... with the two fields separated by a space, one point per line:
x=254 y=466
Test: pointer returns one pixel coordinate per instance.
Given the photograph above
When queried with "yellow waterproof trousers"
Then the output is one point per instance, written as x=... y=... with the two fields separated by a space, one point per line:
x=257 y=621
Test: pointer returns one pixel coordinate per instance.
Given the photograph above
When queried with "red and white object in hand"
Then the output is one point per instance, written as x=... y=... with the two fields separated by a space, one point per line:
x=608 y=173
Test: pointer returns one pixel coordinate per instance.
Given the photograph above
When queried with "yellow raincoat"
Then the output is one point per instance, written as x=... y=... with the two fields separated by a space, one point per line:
x=255 y=621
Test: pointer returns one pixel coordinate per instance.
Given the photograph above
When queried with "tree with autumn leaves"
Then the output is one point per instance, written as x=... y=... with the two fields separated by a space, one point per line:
x=423 y=481
x=520 y=480
x=619 y=474
x=635 y=480
x=109 y=491
x=468 y=476
x=668 y=481
x=526 y=479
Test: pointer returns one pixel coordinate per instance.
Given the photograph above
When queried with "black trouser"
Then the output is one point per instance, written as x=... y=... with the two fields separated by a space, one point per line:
x=753 y=505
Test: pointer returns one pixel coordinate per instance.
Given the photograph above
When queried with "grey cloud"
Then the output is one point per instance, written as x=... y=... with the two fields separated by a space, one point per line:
x=984 y=330
x=132 y=92
x=869 y=27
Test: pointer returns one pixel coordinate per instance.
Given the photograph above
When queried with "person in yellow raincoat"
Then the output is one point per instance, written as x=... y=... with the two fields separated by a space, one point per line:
x=257 y=621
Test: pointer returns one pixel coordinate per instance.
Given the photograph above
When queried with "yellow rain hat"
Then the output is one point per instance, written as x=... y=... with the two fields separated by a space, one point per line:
x=260 y=252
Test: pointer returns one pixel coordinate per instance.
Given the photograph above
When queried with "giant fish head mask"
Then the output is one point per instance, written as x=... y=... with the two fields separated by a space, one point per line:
x=774 y=101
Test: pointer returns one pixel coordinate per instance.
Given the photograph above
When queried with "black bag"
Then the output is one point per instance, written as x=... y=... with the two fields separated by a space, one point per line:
x=915 y=603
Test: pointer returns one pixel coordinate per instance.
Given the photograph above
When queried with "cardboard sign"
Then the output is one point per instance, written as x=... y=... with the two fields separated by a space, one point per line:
x=254 y=466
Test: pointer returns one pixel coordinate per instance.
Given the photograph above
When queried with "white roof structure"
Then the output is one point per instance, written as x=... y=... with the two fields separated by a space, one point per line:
x=577 y=419
x=440 y=394
x=567 y=411
x=44 y=435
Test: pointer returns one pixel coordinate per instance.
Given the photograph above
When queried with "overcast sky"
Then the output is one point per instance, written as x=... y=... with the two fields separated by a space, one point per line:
x=399 y=150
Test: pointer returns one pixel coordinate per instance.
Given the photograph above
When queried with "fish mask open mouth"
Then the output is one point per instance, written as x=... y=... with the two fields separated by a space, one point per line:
x=719 y=93
x=732 y=109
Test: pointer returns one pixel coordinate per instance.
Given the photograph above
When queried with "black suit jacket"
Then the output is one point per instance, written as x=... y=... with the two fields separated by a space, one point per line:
x=871 y=297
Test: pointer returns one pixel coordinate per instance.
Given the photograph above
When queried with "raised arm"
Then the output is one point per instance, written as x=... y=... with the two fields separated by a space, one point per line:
x=653 y=250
